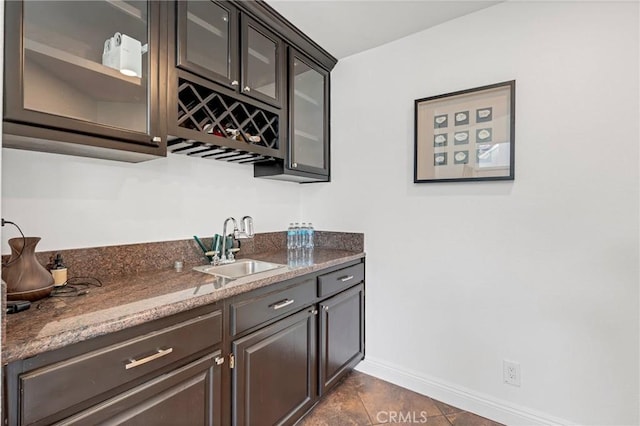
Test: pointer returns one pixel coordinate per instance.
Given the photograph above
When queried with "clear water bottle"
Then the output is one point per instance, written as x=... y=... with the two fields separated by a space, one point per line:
x=291 y=235
x=309 y=257
x=310 y=236
x=303 y=236
x=293 y=257
x=297 y=241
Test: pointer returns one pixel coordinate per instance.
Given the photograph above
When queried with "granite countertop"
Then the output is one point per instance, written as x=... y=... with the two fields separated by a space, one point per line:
x=134 y=299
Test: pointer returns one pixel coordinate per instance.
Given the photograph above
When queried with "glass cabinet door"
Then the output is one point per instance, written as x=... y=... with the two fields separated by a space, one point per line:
x=308 y=103
x=207 y=40
x=88 y=61
x=261 y=63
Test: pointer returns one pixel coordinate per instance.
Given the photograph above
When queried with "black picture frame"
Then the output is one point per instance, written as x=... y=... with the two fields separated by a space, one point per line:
x=488 y=120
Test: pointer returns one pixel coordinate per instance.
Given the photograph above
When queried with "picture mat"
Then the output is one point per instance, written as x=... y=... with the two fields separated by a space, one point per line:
x=498 y=165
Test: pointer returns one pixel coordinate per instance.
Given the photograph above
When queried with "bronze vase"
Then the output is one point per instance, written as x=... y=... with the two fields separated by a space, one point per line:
x=26 y=278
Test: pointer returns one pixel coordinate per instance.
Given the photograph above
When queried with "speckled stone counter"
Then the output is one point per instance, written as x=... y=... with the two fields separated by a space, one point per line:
x=128 y=300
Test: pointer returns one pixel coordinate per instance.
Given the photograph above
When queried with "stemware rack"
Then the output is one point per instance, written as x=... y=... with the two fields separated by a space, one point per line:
x=217 y=126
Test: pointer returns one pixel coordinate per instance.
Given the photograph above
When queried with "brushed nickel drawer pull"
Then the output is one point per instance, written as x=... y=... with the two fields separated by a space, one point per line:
x=282 y=304
x=346 y=278
x=137 y=362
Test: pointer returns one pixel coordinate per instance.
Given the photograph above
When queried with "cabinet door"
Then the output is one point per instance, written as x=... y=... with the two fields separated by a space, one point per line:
x=275 y=376
x=87 y=67
x=309 y=115
x=208 y=40
x=341 y=335
x=190 y=395
x=262 y=63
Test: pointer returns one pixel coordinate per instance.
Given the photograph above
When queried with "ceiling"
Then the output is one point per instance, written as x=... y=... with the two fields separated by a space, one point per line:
x=347 y=27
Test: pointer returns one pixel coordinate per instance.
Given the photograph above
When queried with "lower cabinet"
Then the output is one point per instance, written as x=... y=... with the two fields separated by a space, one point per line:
x=280 y=369
x=274 y=377
x=187 y=396
x=264 y=357
x=166 y=372
x=341 y=335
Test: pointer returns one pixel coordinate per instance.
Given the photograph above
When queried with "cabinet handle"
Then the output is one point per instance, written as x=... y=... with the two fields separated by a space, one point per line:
x=159 y=354
x=282 y=304
x=234 y=83
x=219 y=360
x=346 y=278
x=294 y=165
x=246 y=89
x=156 y=139
x=325 y=308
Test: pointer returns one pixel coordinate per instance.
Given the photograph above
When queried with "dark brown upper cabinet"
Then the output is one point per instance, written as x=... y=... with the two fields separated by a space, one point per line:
x=208 y=40
x=220 y=106
x=217 y=42
x=308 y=115
x=130 y=80
x=262 y=63
x=307 y=158
x=82 y=77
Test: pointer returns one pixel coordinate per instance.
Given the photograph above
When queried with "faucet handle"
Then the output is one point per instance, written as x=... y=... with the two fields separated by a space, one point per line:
x=231 y=257
x=216 y=260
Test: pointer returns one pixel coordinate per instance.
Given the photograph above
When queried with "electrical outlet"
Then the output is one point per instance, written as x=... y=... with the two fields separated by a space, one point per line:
x=511 y=373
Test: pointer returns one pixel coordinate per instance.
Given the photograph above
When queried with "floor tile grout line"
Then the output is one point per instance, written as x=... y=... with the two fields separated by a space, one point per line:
x=442 y=412
x=447 y=419
x=365 y=408
x=371 y=422
x=443 y=408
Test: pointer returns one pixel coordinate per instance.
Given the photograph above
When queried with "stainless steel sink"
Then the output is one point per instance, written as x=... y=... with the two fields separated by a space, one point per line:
x=238 y=269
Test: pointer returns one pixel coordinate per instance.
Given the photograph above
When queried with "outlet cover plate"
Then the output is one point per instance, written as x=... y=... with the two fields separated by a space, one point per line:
x=511 y=373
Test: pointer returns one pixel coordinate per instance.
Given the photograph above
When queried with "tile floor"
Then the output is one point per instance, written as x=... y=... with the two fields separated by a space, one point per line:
x=361 y=399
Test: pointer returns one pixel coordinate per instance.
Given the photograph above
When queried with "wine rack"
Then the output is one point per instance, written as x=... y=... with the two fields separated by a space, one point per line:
x=218 y=126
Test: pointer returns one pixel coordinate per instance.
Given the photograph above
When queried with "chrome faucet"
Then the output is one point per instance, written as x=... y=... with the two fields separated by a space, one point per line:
x=245 y=231
x=223 y=256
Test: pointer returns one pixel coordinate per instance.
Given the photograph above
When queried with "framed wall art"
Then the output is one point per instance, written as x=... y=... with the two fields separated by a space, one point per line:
x=466 y=136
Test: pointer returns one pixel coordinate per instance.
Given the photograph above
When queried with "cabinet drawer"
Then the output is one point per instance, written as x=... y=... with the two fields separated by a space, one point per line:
x=249 y=313
x=163 y=399
x=340 y=280
x=49 y=389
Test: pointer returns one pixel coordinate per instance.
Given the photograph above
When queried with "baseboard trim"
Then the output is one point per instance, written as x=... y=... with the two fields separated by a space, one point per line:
x=469 y=400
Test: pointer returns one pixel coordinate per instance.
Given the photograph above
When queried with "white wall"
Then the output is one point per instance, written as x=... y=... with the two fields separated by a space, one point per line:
x=1 y=106
x=542 y=270
x=74 y=202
